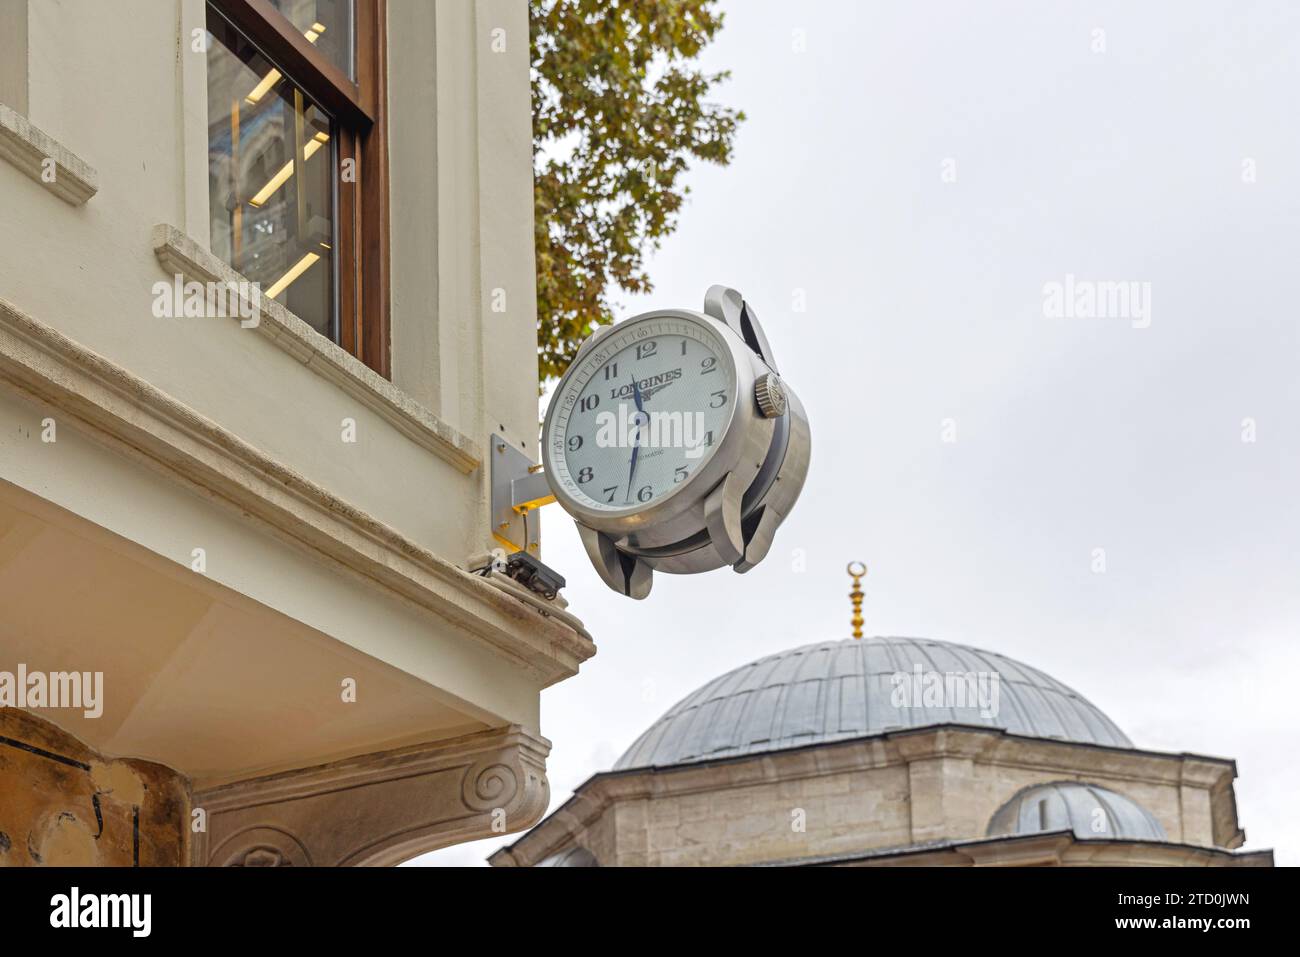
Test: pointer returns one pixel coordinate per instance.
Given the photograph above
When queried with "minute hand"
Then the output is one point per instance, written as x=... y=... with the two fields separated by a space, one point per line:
x=636 y=448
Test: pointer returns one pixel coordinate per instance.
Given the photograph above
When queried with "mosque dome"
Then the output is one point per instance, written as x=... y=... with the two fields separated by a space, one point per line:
x=839 y=690
x=1089 y=810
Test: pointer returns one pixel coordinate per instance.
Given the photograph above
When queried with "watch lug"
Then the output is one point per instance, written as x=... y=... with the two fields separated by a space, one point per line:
x=756 y=338
x=624 y=573
x=722 y=518
x=760 y=540
x=725 y=304
x=728 y=306
x=638 y=575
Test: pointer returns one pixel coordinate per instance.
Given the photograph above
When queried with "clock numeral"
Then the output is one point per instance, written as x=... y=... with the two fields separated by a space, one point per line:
x=708 y=437
x=683 y=347
x=719 y=399
x=609 y=494
x=645 y=350
x=708 y=365
x=681 y=475
x=589 y=402
x=584 y=475
x=575 y=443
x=611 y=371
x=645 y=494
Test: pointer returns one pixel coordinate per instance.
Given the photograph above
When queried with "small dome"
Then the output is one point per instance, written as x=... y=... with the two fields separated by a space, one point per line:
x=1091 y=811
x=570 y=857
x=838 y=690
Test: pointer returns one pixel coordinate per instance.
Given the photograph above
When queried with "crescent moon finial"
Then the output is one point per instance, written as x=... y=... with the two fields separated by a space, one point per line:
x=856 y=571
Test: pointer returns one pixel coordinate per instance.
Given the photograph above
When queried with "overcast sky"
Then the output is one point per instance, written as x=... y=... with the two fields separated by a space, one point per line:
x=1169 y=158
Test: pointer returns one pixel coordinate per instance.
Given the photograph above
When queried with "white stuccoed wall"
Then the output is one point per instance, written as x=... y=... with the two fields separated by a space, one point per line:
x=119 y=85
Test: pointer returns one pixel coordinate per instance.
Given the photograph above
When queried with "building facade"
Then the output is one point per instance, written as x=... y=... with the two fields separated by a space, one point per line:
x=266 y=295
x=892 y=751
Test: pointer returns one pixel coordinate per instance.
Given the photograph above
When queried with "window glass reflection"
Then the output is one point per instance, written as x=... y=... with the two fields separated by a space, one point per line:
x=326 y=23
x=270 y=178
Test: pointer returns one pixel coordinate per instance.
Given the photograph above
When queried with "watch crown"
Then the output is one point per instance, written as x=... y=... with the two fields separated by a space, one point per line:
x=770 y=395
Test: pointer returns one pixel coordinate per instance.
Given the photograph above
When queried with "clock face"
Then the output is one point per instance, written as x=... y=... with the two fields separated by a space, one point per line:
x=642 y=413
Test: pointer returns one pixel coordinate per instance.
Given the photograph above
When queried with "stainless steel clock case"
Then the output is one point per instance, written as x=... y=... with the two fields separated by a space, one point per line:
x=728 y=511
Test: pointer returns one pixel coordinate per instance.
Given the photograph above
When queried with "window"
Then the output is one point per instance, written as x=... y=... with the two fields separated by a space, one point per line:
x=297 y=160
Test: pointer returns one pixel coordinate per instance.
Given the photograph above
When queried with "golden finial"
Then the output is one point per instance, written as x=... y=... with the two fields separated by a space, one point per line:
x=856 y=570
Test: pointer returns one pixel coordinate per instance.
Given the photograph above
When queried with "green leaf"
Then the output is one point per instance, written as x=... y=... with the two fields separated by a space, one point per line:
x=619 y=113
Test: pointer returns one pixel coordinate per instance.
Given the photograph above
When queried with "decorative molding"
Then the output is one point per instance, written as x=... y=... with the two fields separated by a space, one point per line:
x=379 y=809
x=27 y=148
x=179 y=254
x=126 y=413
x=261 y=847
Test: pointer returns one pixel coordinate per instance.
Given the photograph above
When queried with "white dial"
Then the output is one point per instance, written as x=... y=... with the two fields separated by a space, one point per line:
x=642 y=413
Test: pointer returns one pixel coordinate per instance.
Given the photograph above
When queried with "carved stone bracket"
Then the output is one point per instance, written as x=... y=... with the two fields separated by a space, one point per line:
x=379 y=809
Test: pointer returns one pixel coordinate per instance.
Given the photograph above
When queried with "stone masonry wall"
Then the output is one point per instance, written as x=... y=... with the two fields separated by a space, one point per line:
x=839 y=813
x=63 y=804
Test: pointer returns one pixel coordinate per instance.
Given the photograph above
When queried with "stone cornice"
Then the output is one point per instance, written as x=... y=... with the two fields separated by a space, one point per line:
x=994 y=746
x=379 y=809
x=123 y=411
x=181 y=255
x=1205 y=772
x=71 y=179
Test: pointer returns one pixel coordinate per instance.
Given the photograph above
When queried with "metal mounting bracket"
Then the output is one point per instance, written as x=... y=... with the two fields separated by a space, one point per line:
x=519 y=488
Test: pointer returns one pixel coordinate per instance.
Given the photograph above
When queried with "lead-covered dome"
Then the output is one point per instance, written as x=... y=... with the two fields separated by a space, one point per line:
x=570 y=857
x=837 y=690
x=1089 y=810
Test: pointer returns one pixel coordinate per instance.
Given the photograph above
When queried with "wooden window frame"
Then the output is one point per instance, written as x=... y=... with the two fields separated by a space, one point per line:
x=360 y=113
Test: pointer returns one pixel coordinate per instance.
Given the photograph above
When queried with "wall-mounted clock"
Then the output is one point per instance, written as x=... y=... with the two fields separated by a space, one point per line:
x=674 y=444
